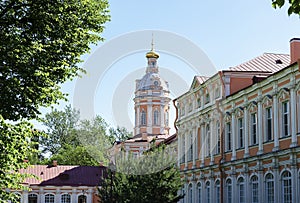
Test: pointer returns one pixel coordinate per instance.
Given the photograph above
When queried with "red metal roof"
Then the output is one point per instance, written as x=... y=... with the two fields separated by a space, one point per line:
x=268 y=62
x=64 y=175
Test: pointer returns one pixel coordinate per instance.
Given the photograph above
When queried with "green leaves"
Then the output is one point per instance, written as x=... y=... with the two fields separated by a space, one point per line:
x=294 y=6
x=16 y=141
x=125 y=183
x=41 y=45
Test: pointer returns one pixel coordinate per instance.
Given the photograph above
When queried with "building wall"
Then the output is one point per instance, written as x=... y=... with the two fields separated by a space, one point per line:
x=244 y=145
x=64 y=194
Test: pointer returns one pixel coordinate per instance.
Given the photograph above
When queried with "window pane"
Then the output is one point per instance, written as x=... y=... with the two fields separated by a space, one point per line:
x=49 y=198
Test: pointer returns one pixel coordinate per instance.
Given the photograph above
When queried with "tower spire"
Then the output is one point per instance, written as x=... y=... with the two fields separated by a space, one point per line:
x=152 y=43
x=152 y=54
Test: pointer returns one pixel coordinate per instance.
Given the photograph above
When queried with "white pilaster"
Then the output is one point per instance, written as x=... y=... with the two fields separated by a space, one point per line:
x=212 y=141
x=179 y=147
x=202 y=151
x=246 y=131
x=73 y=196
x=194 y=146
x=293 y=117
x=260 y=127
x=89 y=198
x=233 y=132
x=276 y=134
x=149 y=119
x=186 y=142
x=25 y=196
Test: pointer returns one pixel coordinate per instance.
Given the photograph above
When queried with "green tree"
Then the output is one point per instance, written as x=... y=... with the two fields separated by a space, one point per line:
x=294 y=5
x=151 y=178
x=61 y=129
x=15 y=147
x=72 y=141
x=41 y=45
x=120 y=134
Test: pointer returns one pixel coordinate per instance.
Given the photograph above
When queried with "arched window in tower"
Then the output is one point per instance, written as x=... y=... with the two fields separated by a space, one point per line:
x=156 y=117
x=143 y=117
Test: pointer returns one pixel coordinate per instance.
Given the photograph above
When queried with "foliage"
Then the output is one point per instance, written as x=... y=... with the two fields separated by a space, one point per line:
x=61 y=129
x=153 y=186
x=41 y=45
x=294 y=6
x=77 y=142
x=15 y=147
x=119 y=134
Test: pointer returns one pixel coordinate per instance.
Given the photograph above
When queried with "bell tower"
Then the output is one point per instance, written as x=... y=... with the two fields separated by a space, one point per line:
x=151 y=101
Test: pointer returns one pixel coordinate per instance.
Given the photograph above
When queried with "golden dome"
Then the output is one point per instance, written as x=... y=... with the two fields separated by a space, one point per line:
x=152 y=54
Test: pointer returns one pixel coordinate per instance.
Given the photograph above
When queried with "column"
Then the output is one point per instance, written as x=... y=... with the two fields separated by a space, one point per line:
x=276 y=134
x=276 y=182
x=179 y=144
x=186 y=142
x=137 y=120
x=212 y=139
x=57 y=195
x=89 y=198
x=233 y=136
x=293 y=157
x=149 y=119
x=202 y=151
x=260 y=129
x=247 y=189
x=246 y=131
x=42 y=195
x=194 y=146
x=260 y=183
x=74 y=196
x=234 y=186
x=293 y=117
x=25 y=196
x=162 y=118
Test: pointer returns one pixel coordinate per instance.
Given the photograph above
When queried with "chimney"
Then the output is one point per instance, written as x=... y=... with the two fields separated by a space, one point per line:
x=144 y=136
x=294 y=49
x=54 y=163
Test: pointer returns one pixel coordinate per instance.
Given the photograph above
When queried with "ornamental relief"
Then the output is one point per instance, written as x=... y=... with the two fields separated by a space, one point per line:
x=239 y=112
x=283 y=95
x=252 y=107
x=267 y=101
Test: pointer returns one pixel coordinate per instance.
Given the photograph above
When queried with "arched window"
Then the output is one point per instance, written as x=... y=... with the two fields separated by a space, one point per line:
x=156 y=117
x=241 y=190
x=143 y=118
x=254 y=189
x=199 y=197
x=49 y=198
x=286 y=187
x=66 y=198
x=208 y=140
x=207 y=190
x=82 y=199
x=217 y=191
x=269 y=181
x=228 y=186
x=228 y=136
x=190 y=194
x=32 y=198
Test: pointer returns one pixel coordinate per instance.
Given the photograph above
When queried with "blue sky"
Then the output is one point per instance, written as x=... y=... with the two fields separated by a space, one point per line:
x=228 y=32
